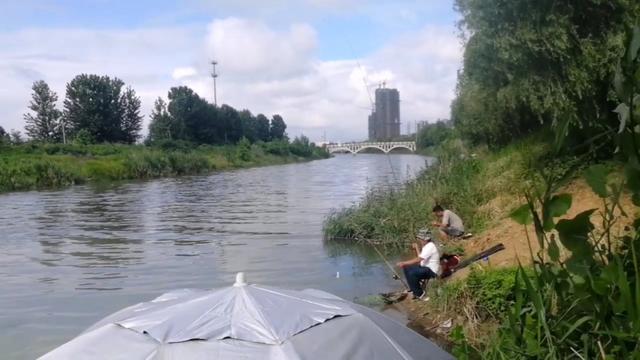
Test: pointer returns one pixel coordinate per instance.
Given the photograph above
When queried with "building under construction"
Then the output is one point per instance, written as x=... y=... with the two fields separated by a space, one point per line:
x=384 y=121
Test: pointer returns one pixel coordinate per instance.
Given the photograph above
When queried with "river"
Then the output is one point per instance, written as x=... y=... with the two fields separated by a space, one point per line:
x=70 y=257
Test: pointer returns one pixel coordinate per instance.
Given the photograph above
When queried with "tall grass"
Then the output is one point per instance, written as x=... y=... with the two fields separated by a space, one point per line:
x=40 y=166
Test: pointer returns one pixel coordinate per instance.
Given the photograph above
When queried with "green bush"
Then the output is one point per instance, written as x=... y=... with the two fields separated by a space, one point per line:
x=493 y=291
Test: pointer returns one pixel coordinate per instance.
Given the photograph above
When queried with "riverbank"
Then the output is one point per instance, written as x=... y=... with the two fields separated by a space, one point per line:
x=46 y=166
x=479 y=185
x=472 y=311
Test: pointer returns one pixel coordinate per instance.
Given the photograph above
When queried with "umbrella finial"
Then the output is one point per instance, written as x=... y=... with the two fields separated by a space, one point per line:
x=240 y=280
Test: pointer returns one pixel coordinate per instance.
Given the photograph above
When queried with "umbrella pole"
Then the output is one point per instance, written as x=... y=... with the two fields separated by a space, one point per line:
x=395 y=274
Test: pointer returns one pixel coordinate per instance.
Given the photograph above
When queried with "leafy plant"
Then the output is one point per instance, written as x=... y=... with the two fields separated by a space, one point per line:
x=584 y=303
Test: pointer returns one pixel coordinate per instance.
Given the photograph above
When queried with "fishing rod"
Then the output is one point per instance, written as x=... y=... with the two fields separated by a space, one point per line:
x=393 y=270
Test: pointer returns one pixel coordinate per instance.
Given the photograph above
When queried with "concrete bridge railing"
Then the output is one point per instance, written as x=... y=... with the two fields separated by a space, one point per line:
x=386 y=147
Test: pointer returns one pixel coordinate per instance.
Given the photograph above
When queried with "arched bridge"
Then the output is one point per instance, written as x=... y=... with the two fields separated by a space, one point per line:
x=356 y=147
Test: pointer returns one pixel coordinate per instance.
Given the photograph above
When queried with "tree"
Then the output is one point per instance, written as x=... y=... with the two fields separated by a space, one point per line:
x=529 y=64
x=278 y=128
x=433 y=134
x=131 y=122
x=301 y=146
x=194 y=117
x=162 y=125
x=93 y=103
x=44 y=123
x=15 y=137
x=229 y=124
x=249 y=125
x=262 y=128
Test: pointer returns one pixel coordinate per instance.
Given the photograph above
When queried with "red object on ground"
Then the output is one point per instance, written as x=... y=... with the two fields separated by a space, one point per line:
x=448 y=263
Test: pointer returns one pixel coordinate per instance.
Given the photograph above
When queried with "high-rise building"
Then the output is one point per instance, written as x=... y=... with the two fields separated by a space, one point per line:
x=384 y=121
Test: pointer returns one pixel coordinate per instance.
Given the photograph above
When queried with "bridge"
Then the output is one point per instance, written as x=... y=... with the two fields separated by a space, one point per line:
x=385 y=147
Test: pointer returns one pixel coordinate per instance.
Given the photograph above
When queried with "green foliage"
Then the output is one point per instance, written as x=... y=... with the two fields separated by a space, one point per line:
x=585 y=304
x=529 y=64
x=278 y=128
x=301 y=146
x=41 y=166
x=98 y=106
x=431 y=135
x=44 y=123
x=262 y=128
x=490 y=292
x=244 y=149
x=188 y=117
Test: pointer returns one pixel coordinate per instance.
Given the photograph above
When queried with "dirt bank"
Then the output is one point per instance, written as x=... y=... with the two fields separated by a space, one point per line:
x=426 y=320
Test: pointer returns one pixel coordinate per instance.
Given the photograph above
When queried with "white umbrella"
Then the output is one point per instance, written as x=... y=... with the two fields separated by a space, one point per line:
x=248 y=322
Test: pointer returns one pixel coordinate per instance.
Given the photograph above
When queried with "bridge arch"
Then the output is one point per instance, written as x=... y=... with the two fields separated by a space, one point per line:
x=340 y=149
x=371 y=147
x=401 y=147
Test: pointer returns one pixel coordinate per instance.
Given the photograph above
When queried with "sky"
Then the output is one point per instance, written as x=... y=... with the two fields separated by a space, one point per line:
x=314 y=62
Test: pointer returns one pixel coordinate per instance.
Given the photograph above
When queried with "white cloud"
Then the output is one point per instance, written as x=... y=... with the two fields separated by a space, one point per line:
x=262 y=68
x=184 y=72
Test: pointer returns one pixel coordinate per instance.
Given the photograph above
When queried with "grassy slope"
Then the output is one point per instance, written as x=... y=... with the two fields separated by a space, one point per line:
x=48 y=166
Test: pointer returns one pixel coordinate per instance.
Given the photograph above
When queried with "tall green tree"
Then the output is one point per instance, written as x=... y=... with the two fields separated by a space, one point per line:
x=93 y=104
x=43 y=124
x=15 y=137
x=229 y=124
x=193 y=115
x=278 y=128
x=433 y=134
x=529 y=64
x=249 y=125
x=162 y=126
x=262 y=128
x=131 y=121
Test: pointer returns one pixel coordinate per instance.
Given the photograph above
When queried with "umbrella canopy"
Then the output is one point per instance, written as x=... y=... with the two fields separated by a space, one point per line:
x=248 y=322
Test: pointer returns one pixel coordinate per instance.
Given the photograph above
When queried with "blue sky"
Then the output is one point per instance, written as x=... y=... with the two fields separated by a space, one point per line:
x=153 y=45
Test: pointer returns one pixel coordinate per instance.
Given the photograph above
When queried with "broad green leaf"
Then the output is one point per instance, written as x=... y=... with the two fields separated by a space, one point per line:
x=522 y=215
x=623 y=115
x=574 y=233
x=596 y=177
x=559 y=205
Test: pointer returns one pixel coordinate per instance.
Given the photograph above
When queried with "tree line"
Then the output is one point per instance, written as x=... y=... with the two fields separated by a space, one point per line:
x=191 y=118
x=101 y=109
x=539 y=64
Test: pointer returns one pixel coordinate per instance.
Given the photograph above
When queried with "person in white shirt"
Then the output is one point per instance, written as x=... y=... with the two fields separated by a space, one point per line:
x=450 y=224
x=425 y=266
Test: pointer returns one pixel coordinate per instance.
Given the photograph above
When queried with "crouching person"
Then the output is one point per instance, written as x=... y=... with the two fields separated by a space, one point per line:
x=423 y=267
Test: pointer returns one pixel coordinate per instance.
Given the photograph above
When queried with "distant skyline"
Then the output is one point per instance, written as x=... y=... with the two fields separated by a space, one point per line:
x=295 y=58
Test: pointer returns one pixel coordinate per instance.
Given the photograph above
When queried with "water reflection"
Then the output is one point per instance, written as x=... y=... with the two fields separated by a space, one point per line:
x=70 y=257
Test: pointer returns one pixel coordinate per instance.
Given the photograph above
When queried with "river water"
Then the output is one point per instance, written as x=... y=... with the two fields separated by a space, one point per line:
x=71 y=257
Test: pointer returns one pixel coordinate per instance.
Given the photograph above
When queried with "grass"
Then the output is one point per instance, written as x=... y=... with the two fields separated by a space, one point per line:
x=42 y=166
x=478 y=185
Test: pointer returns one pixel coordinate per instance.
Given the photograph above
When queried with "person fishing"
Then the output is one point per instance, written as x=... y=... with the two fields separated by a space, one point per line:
x=425 y=266
x=449 y=225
